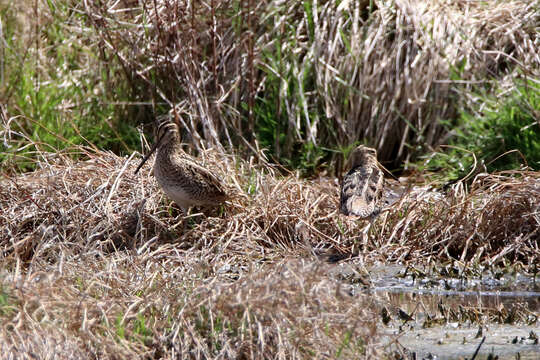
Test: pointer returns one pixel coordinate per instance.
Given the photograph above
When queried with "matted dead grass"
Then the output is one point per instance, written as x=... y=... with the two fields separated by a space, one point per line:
x=95 y=261
x=494 y=220
x=165 y=304
x=101 y=205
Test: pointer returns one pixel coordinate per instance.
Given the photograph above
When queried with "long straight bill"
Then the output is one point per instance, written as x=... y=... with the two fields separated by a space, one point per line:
x=387 y=171
x=149 y=154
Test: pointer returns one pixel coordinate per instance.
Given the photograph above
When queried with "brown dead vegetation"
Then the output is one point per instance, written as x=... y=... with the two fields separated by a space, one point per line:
x=100 y=205
x=494 y=220
x=97 y=253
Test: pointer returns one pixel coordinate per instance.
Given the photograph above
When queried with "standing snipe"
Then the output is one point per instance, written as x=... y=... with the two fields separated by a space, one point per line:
x=181 y=179
x=362 y=187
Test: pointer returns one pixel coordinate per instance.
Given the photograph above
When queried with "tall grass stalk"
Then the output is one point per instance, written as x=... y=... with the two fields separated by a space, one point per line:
x=315 y=75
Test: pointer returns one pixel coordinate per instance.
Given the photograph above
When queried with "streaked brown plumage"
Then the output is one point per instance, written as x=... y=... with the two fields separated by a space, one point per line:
x=362 y=186
x=181 y=179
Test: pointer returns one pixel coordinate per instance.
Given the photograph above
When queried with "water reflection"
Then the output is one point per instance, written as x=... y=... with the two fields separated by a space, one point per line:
x=410 y=298
x=486 y=292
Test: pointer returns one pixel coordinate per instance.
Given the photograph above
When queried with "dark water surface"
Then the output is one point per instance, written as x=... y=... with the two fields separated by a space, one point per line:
x=441 y=317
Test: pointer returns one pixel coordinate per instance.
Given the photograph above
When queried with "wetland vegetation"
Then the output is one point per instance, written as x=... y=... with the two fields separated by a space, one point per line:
x=271 y=96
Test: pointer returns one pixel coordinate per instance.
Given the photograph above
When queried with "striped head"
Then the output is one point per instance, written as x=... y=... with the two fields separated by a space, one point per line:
x=167 y=135
x=362 y=156
x=166 y=131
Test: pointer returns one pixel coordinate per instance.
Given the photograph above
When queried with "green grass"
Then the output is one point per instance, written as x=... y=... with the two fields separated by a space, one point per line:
x=7 y=303
x=141 y=327
x=290 y=79
x=503 y=135
x=57 y=91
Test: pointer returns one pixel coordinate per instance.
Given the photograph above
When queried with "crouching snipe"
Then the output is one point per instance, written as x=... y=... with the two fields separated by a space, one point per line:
x=362 y=186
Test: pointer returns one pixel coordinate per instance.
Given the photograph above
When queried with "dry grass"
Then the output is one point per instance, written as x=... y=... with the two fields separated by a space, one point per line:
x=164 y=305
x=495 y=221
x=97 y=205
x=91 y=269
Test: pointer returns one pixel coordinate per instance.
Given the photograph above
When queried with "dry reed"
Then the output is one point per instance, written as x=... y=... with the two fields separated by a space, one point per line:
x=384 y=71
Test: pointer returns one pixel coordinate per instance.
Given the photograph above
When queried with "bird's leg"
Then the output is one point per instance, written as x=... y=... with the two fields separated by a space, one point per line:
x=184 y=217
x=365 y=233
x=368 y=228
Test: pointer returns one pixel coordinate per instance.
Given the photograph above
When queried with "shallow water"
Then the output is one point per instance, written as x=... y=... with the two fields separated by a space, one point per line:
x=433 y=303
x=455 y=342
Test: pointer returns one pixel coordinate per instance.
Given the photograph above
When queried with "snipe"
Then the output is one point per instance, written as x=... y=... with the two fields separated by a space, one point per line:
x=181 y=179
x=363 y=185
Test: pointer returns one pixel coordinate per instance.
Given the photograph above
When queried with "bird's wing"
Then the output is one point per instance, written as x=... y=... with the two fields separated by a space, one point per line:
x=361 y=191
x=202 y=180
